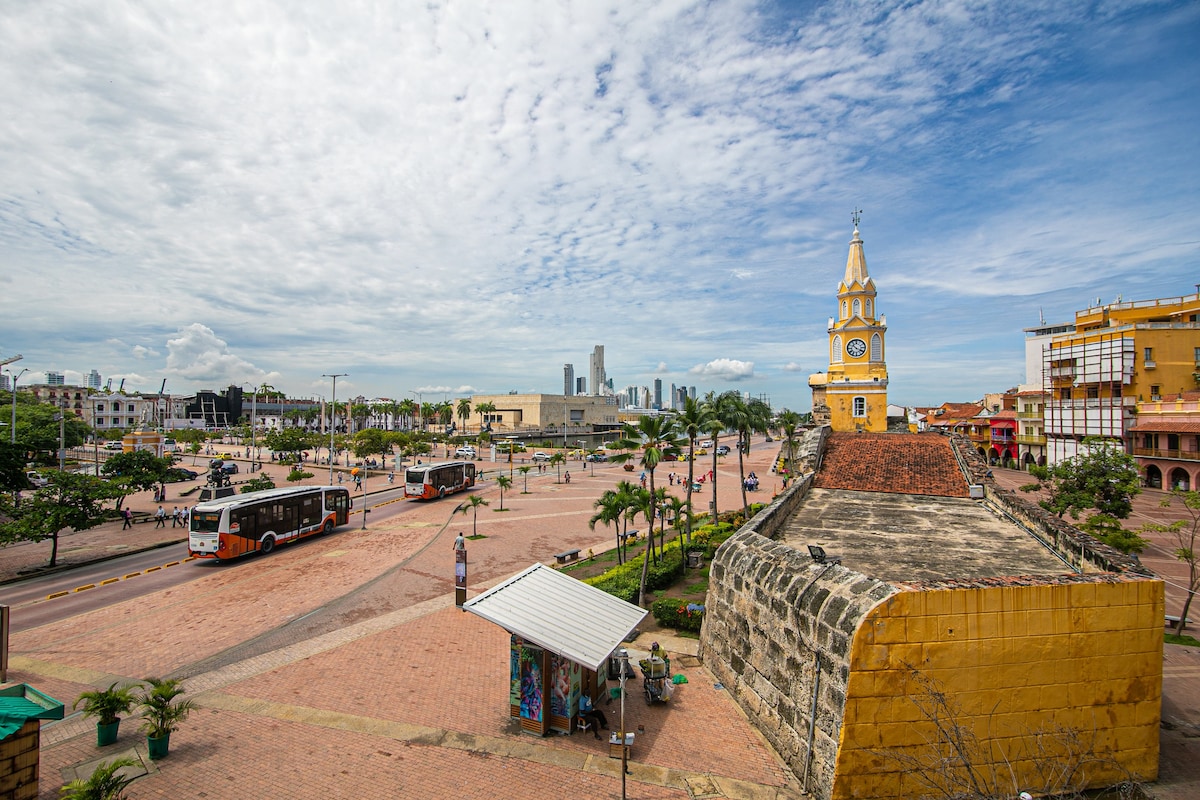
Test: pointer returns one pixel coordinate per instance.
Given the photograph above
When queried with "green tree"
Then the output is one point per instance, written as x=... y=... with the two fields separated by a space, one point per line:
x=610 y=510
x=291 y=441
x=525 y=473
x=1102 y=477
x=716 y=407
x=106 y=782
x=464 y=410
x=556 y=461
x=407 y=409
x=1183 y=532
x=483 y=409
x=472 y=505
x=692 y=423
x=12 y=467
x=655 y=437
x=37 y=428
x=746 y=418
x=259 y=482
x=369 y=441
x=789 y=422
x=71 y=501
x=136 y=472
x=503 y=481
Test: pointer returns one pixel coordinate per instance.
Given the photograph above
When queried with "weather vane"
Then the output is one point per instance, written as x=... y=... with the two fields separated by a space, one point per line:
x=855 y=215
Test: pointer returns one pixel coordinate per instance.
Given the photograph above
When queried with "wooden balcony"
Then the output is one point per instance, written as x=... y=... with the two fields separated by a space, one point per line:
x=1178 y=455
x=1034 y=440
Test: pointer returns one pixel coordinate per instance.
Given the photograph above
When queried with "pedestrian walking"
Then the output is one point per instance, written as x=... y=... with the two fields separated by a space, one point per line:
x=160 y=518
x=392 y=476
x=127 y=515
x=358 y=483
x=175 y=521
x=460 y=543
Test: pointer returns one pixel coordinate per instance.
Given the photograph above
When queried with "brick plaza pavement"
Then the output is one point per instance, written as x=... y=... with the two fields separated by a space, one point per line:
x=339 y=667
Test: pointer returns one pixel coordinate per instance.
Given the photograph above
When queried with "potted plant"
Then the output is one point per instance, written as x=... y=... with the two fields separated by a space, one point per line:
x=107 y=782
x=107 y=705
x=162 y=713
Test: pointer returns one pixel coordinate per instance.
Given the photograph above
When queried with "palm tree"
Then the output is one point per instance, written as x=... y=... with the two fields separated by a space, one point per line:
x=610 y=509
x=445 y=412
x=715 y=426
x=483 y=409
x=472 y=504
x=657 y=437
x=558 y=459
x=745 y=418
x=407 y=408
x=464 y=410
x=525 y=472
x=692 y=421
x=789 y=421
x=503 y=481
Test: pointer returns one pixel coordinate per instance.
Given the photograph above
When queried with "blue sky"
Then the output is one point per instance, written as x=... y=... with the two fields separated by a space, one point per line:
x=457 y=197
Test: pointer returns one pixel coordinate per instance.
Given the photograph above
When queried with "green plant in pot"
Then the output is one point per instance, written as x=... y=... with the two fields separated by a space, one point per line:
x=107 y=706
x=162 y=712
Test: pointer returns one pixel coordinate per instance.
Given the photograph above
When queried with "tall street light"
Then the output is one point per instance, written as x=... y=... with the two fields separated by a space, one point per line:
x=420 y=409
x=13 y=388
x=332 y=411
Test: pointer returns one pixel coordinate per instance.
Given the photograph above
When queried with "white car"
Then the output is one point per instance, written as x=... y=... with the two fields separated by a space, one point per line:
x=465 y=452
x=707 y=443
x=540 y=456
x=113 y=444
x=36 y=480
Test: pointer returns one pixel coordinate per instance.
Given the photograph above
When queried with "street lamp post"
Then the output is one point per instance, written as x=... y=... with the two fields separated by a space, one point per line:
x=13 y=388
x=420 y=409
x=332 y=411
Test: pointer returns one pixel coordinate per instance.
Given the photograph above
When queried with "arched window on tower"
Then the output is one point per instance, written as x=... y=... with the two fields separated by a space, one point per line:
x=835 y=355
x=860 y=406
x=843 y=309
x=868 y=307
x=857 y=307
x=876 y=347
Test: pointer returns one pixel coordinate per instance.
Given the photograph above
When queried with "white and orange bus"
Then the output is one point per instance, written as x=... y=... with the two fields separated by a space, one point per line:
x=258 y=521
x=428 y=481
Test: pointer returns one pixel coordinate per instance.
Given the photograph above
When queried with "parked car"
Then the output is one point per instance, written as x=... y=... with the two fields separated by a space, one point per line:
x=707 y=443
x=540 y=456
x=36 y=480
x=723 y=450
x=229 y=468
x=177 y=474
x=465 y=452
x=113 y=444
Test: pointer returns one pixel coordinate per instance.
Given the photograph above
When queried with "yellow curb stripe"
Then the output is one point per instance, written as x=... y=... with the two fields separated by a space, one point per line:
x=152 y=569
x=107 y=581
x=57 y=594
x=85 y=587
x=131 y=575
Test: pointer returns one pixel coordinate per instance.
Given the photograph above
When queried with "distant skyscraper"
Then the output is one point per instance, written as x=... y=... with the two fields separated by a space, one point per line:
x=4 y=382
x=55 y=379
x=581 y=385
x=597 y=378
x=692 y=392
x=568 y=379
x=673 y=397
x=658 y=393
x=93 y=380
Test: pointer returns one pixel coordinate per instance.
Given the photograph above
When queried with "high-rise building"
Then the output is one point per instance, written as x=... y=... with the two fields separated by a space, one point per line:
x=55 y=379
x=581 y=385
x=568 y=379
x=93 y=380
x=658 y=394
x=597 y=377
x=852 y=395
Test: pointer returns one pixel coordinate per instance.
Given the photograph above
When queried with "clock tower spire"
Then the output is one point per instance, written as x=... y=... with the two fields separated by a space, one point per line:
x=852 y=395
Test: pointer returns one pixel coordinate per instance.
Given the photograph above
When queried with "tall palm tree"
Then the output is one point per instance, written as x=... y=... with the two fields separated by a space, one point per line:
x=464 y=410
x=676 y=507
x=656 y=437
x=714 y=427
x=691 y=422
x=503 y=481
x=609 y=510
x=482 y=409
x=525 y=472
x=789 y=421
x=557 y=460
x=408 y=407
x=745 y=417
x=472 y=504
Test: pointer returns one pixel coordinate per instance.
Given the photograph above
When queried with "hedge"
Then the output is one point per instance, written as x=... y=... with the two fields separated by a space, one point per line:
x=671 y=612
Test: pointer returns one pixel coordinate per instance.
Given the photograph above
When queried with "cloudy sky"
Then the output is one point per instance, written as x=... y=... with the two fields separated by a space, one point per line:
x=462 y=196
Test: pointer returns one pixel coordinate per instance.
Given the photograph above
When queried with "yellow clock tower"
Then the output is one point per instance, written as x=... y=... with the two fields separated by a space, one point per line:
x=852 y=395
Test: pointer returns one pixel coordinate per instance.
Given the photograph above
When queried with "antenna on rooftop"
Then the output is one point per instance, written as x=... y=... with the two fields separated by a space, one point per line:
x=1041 y=316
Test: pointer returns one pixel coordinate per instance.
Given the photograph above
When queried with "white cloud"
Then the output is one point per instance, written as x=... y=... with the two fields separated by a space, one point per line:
x=724 y=369
x=792 y=366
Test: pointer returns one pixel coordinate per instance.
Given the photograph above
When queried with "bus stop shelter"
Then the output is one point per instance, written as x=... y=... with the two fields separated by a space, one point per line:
x=562 y=634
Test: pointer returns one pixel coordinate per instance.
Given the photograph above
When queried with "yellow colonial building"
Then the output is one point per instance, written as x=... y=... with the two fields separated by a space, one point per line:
x=852 y=394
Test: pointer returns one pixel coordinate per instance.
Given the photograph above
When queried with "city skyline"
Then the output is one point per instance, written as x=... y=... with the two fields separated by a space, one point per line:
x=463 y=201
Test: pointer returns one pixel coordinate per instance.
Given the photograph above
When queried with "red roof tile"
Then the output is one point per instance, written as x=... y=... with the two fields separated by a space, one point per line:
x=902 y=463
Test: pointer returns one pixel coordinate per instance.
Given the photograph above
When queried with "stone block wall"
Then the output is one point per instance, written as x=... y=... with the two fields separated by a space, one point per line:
x=19 y=753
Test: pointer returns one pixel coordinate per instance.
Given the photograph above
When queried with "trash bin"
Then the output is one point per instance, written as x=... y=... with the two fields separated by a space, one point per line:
x=695 y=559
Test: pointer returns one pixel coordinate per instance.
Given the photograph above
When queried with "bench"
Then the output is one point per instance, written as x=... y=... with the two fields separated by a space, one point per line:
x=566 y=556
x=1171 y=620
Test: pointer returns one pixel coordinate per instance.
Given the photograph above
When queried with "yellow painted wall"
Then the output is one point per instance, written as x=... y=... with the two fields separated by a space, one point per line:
x=1015 y=659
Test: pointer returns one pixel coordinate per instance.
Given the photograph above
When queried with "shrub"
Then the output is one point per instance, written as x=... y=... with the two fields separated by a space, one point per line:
x=671 y=612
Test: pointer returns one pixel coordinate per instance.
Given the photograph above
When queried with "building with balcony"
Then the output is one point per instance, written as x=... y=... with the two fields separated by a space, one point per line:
x=1031 y=435
x=1166 y=441
x=1116 y=355
x=1002 y=428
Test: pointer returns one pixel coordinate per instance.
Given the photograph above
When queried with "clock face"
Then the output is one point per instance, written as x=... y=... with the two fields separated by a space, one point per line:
x=856 y=347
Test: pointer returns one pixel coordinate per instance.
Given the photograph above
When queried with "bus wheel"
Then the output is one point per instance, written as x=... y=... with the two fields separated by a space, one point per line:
x=268 y=544
x=441 y=492
x=327 y=527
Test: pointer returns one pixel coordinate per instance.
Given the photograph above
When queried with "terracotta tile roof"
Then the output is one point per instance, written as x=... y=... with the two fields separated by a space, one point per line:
x=1007 y=413
x=903 y=463
x=1165 y=426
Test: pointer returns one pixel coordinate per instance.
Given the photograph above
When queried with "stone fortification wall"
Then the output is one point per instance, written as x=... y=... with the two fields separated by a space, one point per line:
x=778 y=635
